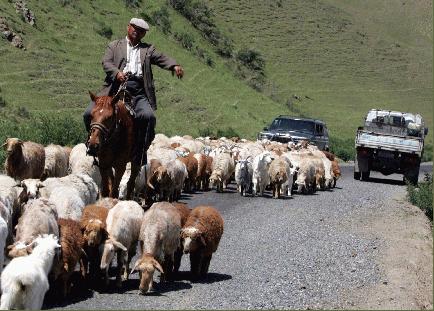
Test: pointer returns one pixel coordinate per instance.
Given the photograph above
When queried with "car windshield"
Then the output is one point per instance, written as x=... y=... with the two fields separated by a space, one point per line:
x=292 y=125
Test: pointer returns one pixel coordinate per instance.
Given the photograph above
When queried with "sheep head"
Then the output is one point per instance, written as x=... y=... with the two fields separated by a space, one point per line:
x=110 y=248
x=146 y=265
x=19 y=249
x=94 y=232
x=12 y=145
x=30 y=189
x=192 y=239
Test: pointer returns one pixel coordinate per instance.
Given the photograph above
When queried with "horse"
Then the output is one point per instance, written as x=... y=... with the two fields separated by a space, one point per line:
x=111 y=139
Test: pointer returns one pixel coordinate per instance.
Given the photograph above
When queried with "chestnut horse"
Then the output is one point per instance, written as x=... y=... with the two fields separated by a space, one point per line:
x=111 y=139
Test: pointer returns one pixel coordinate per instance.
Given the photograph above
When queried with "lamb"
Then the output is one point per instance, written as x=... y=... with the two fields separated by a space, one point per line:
x=39 y=217
x=177 y=172
x=306 y=176
x=159 y=240
x=56 y=161
x=201 y=235
x=25 y=159
x=191 y=164
x=280 y=175
x=208 y=171
x=201 y=171
x=261 y=178
x=94 y=229
x=81 y=163
x=243 y=176
x=24 y=281
x=223 y=168
x=336 y=172
x=123 y=228
x=71 y=241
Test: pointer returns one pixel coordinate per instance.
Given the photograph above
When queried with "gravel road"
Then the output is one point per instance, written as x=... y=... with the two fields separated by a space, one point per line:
x=309 y=251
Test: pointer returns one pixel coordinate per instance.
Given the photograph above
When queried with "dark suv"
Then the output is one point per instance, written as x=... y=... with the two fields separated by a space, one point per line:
x=285 y=128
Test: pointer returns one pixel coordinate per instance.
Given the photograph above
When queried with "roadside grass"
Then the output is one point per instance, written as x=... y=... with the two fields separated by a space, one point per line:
x=422 y=195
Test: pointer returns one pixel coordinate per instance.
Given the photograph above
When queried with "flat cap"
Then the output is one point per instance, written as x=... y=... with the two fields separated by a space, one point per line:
x=139 y=23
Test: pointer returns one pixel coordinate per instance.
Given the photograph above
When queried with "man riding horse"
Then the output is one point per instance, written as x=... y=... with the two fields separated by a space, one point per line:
x=127 y=64
x=130 y=55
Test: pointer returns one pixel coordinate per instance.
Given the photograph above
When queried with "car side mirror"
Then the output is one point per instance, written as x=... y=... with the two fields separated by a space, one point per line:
x=425 y=131
x=266 y=128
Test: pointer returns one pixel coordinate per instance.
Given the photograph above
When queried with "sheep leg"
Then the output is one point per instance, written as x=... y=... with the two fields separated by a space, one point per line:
x=119 y=172
x=205 y=265
x=195 y=260
x=119 y=268
x=177 y=261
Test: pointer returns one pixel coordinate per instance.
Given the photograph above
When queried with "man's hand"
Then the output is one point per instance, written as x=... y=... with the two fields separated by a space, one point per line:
x=178 y=71
x=121 y=77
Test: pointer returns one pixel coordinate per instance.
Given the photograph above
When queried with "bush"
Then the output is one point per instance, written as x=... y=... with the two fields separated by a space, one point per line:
x=104 y=31
x=186 y=40
x=2 y=102
x=225 y=47
x=228 y=133
x=421 y=195
x=251 y=59
x=162 y=19
x=132 y=3
x=342 y=148
x=427 y=153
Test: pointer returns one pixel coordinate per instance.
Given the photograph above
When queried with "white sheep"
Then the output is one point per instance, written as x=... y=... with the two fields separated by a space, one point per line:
x=25 y=159
x=177 y=172
x=4 y=232
x=243 y=175
x=261 y=178
x=69 y=204
x=123 y=228
x=39 y=217
x=223 y=168
x=159 y=240
x=81 y=163
x=56 y=161
x=140 y=182
x=24 y=281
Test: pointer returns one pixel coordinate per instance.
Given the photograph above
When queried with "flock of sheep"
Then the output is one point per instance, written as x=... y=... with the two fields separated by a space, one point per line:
x=53 y=220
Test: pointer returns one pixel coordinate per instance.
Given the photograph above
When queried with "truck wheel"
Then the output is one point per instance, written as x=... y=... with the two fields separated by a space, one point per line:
x=365 y=175
x=357 y=175
x=412 y=176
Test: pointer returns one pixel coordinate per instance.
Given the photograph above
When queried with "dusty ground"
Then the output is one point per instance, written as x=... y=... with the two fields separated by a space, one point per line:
x=406 y=260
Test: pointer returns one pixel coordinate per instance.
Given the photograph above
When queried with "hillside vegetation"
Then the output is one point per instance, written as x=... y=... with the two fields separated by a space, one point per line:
x=327 y=59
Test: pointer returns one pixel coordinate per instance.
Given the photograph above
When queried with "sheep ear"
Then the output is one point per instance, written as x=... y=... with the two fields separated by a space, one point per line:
x=136 y=266
x=10 y=247
x=157 y=266
x=119 y=245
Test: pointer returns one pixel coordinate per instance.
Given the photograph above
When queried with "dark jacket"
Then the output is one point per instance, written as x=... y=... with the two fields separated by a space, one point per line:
x=115 y=59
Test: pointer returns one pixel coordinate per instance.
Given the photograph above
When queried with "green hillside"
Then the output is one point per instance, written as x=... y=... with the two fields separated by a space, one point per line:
x=339 y=58
x=329 y=59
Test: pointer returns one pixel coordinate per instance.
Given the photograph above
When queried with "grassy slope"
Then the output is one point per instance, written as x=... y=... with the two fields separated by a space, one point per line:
x=62 y=62
x=347 y=56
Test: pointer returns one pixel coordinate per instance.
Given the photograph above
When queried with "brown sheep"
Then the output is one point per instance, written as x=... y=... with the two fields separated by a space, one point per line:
x=93 y=227
x=201 y=171
x=161 y=183
x=150 y=191
x=336 y=172
x=184 y=212
x=71 y=242
x=191 y=164
x=201 y=235
x=208 y=171
x=25 y=159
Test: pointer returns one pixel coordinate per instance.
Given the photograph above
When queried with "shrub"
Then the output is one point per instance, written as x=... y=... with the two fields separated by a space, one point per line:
x=132 y=3
x=228 y=132
x=251 y=59
x=421 y=195
x=104 y=31
x=162 y=19
x=186 y=40
x=2 y=102
x=225 y=47
x=342 y=148
x=427 y=153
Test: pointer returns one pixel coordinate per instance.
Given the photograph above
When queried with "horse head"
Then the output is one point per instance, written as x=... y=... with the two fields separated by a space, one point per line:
x=102 y=124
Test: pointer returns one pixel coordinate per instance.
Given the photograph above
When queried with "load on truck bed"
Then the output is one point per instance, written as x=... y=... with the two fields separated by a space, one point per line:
x=390 y=142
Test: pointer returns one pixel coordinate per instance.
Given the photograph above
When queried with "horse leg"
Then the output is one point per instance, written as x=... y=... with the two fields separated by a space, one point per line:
x=135 y=168
x=119 y=172
x=105 y=182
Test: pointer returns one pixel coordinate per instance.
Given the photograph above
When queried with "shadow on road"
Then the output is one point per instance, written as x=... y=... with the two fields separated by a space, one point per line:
x=208 y=279
x=386 y=181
